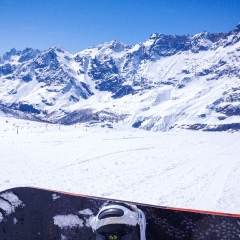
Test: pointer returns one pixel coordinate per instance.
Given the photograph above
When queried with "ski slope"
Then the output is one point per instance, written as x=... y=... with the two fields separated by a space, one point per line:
x=199 y=170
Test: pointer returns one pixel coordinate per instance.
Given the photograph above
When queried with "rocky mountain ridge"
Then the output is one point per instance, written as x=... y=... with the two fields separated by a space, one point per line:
x=166 y=82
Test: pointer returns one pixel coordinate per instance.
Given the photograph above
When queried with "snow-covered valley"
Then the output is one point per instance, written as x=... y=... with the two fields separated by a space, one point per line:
x=189 y=169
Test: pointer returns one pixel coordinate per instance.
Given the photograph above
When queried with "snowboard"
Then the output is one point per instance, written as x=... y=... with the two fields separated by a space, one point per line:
x=28 y=213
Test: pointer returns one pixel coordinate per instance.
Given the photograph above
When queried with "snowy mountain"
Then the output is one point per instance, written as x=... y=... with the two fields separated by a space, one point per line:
x=166 y=82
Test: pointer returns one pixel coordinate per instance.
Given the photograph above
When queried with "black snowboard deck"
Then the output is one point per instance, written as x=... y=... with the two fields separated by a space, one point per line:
x=37 y=214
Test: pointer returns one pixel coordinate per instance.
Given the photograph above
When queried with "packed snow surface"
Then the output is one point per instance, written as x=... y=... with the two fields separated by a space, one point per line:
x=199 y=170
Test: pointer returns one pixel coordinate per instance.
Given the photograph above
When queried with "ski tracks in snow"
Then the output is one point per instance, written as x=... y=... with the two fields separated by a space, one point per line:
x=212 y=193
x=101 y=156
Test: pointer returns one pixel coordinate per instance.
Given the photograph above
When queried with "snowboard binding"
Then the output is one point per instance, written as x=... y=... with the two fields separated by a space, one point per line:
x=118 y=221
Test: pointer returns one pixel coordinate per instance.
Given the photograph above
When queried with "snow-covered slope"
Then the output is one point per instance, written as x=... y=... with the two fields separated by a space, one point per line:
x=166 y=82
x=190 y=169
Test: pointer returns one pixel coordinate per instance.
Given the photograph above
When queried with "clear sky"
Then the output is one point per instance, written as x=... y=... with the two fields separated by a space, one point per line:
x=78 y=24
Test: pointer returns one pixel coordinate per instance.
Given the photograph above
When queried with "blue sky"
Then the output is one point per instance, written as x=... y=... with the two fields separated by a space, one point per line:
x=78 y=24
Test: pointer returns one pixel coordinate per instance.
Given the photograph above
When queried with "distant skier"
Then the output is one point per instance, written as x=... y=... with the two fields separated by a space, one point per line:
x=119 y=221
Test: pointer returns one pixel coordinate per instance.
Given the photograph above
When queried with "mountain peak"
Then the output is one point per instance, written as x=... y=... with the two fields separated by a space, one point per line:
x=154 y=36
x=236 y=29
x=56 y=49
x=203 y=34
x=11 y=53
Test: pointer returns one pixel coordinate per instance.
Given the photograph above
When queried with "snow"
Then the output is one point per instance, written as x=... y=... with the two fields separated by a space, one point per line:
x=5 y=206
x=55 y=196
x=88 y=214
x=12 y=198
x=188 y=169
x=169 y=91
x=86 y=211
x=63 y=237
x=67 y=221
x=8 y=203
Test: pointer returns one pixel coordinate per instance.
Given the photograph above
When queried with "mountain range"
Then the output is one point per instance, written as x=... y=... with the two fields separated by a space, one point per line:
x=166 y=82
